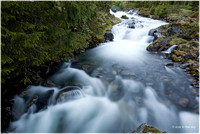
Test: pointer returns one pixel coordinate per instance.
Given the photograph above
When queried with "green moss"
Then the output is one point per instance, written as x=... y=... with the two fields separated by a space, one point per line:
x=177 y=41
x=157 y=41
x=175 y=58
x=178 y=53
x=195 y=15
x=124 y=17
x=150 y=129
x=115 y=20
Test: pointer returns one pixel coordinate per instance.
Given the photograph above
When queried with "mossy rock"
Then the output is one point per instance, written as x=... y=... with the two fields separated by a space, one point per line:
x=177 y=41
x=124 y=17
x=144 y=128
x=175 y=58
x=150 y=129
x=178 y=53
x=115 y=20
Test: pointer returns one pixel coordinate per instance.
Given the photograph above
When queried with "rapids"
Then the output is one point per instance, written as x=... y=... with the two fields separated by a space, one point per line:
x=114 y=87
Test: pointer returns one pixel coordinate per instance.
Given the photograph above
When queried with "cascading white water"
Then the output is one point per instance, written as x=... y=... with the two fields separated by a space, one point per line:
x=127 y=92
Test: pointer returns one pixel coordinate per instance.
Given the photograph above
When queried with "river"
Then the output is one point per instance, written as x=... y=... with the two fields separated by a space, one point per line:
x=114 y=87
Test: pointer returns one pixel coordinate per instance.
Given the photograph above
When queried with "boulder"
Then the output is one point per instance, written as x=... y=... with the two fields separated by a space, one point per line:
x=174 y=29
x=144 y=128
x=151 y=32
x=131 y=25
x=159 y=45
x=124 y=17
x=108 y=36
x=114 y=9
x=158 y=32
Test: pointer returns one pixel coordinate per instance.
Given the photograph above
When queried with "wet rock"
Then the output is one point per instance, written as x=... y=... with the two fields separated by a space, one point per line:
x=49 y=83
x=124 y=17
x=196 y=84
x=42 y=101
x=132 y=25
x=151 y=32
x=114 y=9
x=157 y=32
x=85 y=67
x=108 y=36
x=175 y=29
x=183 y=102
x=69 y=95
x=54 y=66
x=169 y=64
x=175 y=58
x=131 y=11
x=33 y=100
x=185 y=65
x=144 y=128
x=115 y=89
x=162 y=44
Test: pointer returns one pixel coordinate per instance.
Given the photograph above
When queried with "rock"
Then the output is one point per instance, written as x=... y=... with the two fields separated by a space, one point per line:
x=114 y=9
x=131 y=26
x=124 y=17
x=33 y=100
x=151 y=32
x=53 y=67
x=169 y=64
x=185 y=65
x=175 y=58
x=183 y=102
x=108 y=35
x=85 y=67
x=158 y=32
x=144 y=128
x=161 y=44
x=49 y=83
x=115 y=89
x=131 y=11
x=69 y=95
x=174 y=29
x=42 y=100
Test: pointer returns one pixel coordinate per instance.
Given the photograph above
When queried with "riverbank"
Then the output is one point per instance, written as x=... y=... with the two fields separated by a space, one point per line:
x=183 y=31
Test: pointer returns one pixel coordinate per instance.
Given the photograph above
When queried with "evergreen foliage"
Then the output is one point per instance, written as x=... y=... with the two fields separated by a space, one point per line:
x=34 y=33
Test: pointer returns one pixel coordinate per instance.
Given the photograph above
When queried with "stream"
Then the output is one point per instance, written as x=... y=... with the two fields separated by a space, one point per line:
x=114 y=87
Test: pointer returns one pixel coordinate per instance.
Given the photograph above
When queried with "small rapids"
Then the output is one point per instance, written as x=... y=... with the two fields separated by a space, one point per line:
x=114 y=87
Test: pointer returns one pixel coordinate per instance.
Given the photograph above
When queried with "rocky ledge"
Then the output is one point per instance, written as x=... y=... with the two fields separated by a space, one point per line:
x=184 y=37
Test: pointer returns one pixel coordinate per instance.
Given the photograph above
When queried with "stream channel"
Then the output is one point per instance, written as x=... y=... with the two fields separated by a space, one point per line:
x=114 y=87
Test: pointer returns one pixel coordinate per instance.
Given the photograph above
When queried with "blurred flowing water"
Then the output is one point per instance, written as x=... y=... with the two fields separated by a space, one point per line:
x=112 y=88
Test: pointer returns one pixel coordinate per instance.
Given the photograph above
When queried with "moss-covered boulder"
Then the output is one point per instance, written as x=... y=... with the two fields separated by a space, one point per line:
x=184 y=35
x=124 y=17
x=175 y=58
x=161 y=44
x=144 y=128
